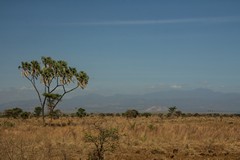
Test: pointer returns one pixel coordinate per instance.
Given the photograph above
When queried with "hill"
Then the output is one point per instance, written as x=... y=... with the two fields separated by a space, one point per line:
x=197 y=100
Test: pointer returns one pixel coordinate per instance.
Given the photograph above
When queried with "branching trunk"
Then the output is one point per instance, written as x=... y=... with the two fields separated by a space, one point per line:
x=32 y=80
x=52 y=72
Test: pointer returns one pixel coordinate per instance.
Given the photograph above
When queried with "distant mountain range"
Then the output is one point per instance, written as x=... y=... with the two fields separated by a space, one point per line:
x=197 y=100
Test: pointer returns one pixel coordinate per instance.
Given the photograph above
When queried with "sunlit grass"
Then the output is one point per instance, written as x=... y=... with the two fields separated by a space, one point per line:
x=140 y=138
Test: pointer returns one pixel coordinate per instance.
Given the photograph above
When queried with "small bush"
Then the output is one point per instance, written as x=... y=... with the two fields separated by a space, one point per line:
x=178 y=113
x=25 y=115
x=110 y=114
x=7 y=124
x=37 y=111
x=131 y=113
x=81 y=112
x=101 y=115
x=106 y=139
x=56 y=114
x=14 y=113
x=146 y=114
x=172 y=111
x=117 y=114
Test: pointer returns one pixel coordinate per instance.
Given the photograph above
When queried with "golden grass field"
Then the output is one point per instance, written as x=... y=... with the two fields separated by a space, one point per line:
x=140 y=138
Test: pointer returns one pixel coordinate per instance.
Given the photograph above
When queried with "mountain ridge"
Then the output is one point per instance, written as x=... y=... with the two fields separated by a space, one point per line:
x=196 y=100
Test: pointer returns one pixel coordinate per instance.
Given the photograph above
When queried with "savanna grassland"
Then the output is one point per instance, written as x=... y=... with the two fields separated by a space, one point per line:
x=141 y=138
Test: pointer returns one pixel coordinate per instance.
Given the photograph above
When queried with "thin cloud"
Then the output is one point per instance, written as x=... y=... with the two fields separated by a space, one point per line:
x=168 y=86
x=176 y=86
x=152 y=22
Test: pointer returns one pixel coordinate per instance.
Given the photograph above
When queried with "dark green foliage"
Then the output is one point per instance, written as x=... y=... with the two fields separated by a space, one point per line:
x=101 y=115
x=237 y=115
x=25 y=115
x=81 y=112
x=51 y=101
x=183 y=114
x=14 y=113
x=65 y=115
x=72 y=115
x=172 y=111
x=55 y=114
x=117 y=114
x=109 y=114
x=52 y=96
x=37 y=111
x=178 y=113
x=196 y=115
x=215 y=115
x=191 y=114
x=132 y=113
x=146 y=114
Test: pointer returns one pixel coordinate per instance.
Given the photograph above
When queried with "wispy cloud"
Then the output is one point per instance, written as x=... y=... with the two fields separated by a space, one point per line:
x=152 y=22
x=168 y=86
x=176 y=86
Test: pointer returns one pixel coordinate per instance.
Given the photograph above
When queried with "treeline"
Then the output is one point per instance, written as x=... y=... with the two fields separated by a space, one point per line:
x=131 y=113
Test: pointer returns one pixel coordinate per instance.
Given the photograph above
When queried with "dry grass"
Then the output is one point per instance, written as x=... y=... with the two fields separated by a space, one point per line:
x=140 y=138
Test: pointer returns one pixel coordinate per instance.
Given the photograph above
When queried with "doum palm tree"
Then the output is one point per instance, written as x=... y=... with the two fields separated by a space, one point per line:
x=54 y=76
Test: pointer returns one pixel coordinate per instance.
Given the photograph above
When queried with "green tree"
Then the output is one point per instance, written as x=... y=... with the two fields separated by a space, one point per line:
x=81 y=112
x=15 y=112
x=172 y=110
x=37 y=111
x=131 y=113
x=54 y=77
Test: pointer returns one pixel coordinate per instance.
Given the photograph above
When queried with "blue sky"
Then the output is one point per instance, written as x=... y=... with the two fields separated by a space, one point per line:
x=125 y=46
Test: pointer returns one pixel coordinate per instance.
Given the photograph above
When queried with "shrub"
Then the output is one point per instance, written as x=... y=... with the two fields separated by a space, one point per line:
x=104 y=139
x=131 y=113
x=37 y=111
x=55 y=114
x=101 y=115
x=14 y=113
x=178 y=113
x=237 y=115
x=7 y=124
x=81 y=112
x=110 y=114
x=146 y=114
x=117 y=114
x=25 y=115
x=172 y=111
